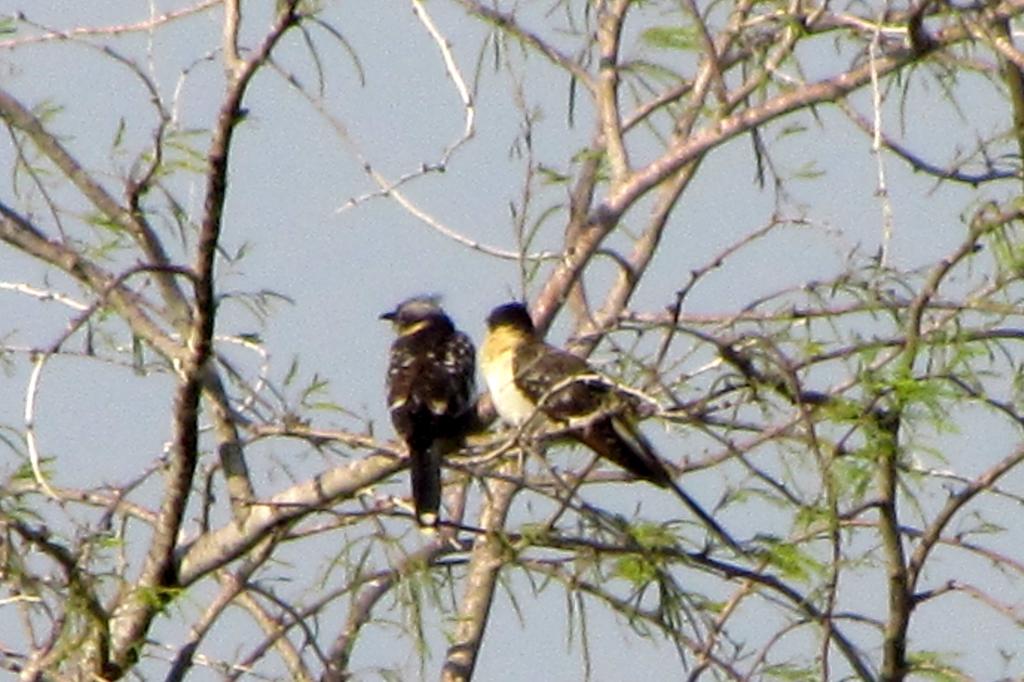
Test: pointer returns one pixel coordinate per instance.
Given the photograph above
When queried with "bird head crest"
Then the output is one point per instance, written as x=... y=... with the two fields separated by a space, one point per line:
x=513 y=315
x=415 y=310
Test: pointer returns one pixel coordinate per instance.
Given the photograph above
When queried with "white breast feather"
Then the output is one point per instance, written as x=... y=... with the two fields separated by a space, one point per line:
x=509 y=402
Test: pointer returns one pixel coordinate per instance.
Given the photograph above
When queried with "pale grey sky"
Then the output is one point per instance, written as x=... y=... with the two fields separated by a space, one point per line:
x=290 y=175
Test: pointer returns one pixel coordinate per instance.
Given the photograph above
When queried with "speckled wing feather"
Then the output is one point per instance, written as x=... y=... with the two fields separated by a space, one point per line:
x=542 y=372
x=540 y=369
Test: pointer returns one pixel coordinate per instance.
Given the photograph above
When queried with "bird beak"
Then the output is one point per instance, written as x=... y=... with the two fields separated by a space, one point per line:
x=389 y=316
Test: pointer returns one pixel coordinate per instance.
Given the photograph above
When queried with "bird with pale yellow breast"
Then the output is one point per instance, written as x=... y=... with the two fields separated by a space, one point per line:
x=531 y=382
x=529 y=379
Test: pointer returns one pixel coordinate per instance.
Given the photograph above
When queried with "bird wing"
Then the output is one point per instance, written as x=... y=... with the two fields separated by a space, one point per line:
x=544 y=374
x=459 y=360
x=436 y=377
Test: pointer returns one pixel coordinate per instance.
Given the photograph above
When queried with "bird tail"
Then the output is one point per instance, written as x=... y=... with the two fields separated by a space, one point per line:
x=425 y=471
x=619 y=441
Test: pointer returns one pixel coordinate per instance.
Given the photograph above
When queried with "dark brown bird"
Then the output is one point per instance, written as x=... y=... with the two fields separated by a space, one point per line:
x=430 y=394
